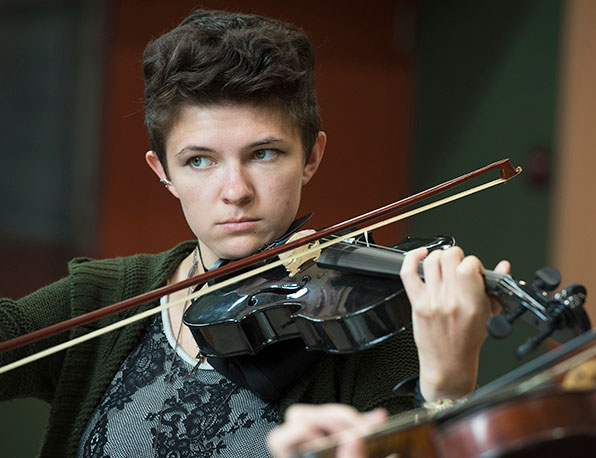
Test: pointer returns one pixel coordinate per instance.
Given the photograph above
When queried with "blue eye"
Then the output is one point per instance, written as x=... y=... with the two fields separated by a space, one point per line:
x=265 y=154
x=199 y=162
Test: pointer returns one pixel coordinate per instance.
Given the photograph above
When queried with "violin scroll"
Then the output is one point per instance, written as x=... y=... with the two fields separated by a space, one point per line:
x=560 y=315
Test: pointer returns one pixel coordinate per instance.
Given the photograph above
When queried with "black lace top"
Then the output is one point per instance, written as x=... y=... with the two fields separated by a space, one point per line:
x=149 y=410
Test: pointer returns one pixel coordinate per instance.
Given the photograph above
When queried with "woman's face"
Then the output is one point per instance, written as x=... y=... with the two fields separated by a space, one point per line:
x=238 y=171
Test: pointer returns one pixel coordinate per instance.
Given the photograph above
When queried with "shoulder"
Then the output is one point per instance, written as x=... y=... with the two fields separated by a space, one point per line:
x=118 y=278
x=158 y=264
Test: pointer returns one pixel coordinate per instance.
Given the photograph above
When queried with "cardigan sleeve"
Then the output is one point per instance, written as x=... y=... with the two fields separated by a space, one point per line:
x=40 y=309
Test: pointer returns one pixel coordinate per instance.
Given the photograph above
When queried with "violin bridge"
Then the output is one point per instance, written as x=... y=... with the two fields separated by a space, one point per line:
x=294 y=259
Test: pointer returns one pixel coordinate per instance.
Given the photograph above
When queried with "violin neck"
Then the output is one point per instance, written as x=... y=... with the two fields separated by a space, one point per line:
x=361 y=259
x=387 y=262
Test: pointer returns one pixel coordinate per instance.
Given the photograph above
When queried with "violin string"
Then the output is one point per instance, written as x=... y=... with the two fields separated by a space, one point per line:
x=369 y=244
x=235 y=279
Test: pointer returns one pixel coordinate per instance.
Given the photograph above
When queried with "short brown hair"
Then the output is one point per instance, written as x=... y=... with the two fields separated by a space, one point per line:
x=215 y=57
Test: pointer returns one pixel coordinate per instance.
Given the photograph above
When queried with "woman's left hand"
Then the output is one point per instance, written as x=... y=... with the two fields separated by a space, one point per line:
x=305 y=423
x=450 y=309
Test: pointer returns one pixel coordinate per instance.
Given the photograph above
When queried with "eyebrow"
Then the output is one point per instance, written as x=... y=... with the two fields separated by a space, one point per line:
x=265 y=141
x=194 y=148
x=205 y=149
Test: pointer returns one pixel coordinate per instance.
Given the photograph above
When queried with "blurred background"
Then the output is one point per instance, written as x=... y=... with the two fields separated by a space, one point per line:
x=412 y=93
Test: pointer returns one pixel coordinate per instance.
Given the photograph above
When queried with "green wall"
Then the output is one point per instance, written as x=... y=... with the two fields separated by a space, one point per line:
x=486 y=90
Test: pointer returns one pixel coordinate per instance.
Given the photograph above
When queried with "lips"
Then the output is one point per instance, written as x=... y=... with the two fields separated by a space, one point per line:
x=239 y=224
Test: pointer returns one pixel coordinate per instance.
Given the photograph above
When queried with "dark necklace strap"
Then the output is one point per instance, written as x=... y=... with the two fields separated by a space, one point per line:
x=198 y=250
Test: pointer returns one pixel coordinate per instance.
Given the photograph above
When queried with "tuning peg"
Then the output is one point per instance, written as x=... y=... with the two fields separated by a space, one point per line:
x=574 y=289
x=546 y=279
x=533 y=342
x=570 y=299
x=499 y=326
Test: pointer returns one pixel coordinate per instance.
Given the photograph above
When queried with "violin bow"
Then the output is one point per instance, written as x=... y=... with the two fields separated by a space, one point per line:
x=504 y=166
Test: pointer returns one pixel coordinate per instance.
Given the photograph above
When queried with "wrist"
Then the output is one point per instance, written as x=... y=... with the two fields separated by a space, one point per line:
x=454 y=384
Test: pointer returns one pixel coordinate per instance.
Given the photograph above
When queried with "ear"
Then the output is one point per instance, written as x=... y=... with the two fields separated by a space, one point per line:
x=315 y=158
x=157 y=167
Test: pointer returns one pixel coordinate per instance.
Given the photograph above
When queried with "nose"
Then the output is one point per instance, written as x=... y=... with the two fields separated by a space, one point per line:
x=237 y=187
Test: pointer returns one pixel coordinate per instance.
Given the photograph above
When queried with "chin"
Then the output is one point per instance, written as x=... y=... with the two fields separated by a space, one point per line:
x=239 y=251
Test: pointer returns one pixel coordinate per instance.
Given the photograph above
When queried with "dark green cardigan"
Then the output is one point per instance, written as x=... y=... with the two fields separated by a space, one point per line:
x=73 y=381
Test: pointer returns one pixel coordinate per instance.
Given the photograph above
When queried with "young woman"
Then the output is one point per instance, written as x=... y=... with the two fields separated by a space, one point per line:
x=235 y=135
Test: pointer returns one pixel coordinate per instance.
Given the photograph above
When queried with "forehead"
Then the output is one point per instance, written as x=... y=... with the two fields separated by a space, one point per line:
x=228 y=125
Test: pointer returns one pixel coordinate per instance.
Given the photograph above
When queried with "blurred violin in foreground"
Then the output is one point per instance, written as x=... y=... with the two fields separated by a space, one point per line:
x=526 y=413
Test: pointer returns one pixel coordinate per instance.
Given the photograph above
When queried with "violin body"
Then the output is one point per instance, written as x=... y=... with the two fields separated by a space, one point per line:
x=329 y=309
x=548 y=424
x=273 y=308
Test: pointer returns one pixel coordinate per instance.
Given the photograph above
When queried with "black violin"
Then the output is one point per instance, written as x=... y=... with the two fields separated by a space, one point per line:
x=350 y=298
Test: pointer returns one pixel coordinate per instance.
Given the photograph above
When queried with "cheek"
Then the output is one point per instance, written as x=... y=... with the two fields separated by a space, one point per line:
x=286 y=190
x=191 y=201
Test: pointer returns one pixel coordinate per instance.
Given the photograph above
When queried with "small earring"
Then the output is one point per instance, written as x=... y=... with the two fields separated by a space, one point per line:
x=165 y=182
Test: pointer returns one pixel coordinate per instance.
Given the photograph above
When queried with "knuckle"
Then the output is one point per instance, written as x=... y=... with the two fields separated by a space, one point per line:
x=454 y=251
x=470 y=265
x=435 y=254
x=409 y=265
x=410 y=257
x=450 y=306
x=432 y=259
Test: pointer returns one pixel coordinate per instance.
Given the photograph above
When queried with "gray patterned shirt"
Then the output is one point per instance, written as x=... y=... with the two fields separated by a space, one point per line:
x=150 y=410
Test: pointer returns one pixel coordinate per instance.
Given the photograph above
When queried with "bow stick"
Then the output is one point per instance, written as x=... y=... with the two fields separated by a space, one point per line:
x=506 y=169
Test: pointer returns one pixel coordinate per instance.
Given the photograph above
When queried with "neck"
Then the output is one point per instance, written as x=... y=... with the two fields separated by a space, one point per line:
x=206 y=257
